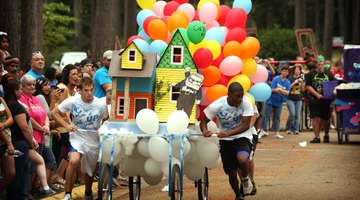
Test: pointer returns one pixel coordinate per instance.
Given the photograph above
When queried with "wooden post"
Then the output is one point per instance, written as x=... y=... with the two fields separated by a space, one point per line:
x=113 y=99
x=126 y=98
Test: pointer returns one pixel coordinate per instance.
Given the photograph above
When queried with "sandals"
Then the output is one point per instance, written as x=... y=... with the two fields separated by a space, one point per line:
x=57 y=180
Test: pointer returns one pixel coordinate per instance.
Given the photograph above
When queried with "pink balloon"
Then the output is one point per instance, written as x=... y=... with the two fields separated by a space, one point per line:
x=158 y=8
x=224 y=10
x=188 y=9
x=208 y=12
x=133 y=38
x=204 y=100
x=170 y=7
x=236 y=34
x=236 y=18
x=203 y=57
x=212 y=24
x=231 y=66
x=260 y=75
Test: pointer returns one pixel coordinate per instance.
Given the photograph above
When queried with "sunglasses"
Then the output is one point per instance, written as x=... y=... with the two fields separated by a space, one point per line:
x=36 y=52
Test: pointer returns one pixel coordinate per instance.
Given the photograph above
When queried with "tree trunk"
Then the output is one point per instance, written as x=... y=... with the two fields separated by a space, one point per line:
x=31 y=28
x=328 y=28
x=343 y=24
x=356 y=22
x=317 y=26
x=130 y=26
x=106 y=26
x=9 y=24
x=300 y=14
x=78 y=24
x=269 y=17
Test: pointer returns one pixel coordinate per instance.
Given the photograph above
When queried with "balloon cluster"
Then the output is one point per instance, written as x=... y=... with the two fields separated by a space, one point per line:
x=214 y=34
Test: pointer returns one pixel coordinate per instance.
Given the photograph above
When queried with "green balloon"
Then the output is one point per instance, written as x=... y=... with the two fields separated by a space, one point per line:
x=196 y=31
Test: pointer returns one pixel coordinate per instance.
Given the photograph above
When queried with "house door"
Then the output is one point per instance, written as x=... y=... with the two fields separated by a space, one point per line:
x=140 y=104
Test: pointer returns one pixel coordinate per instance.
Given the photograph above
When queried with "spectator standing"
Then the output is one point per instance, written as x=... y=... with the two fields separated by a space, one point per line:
x=37 y=64
x=101 y=77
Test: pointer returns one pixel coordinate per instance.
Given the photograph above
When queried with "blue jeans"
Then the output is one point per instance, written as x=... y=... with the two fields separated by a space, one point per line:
x=293 y=122
x=266 y=116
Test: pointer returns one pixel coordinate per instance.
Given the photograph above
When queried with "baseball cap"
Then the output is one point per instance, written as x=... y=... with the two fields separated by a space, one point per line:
x=107 y=54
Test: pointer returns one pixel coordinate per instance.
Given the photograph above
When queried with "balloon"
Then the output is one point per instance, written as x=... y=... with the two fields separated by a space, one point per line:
x=223 y=80
x=204 y=100
x=158 y=47
x=129 y=168
x=202 y=58
x=158 y=8
x=188 y=9
x=192 y=156
x=224 y=10
x=216 y=33
x=232 y=48
x=243 y=80
x=250 y=47
x=181 y=1
x=193 y=47
x=196 y=31
x=106 y=151
x=146 y=23
x=153 y=180
x=142 y=45
x=202 y=2
x=143 y=35
x=231 y=66
x=159 y=149
x=244 y=4
x=236 y=34
x=251 y=97
x=165 y=19
x=152 y=167
x=177 y=122
x=165 y=166
x=211 y=76
x=158 y=30
x=176 y=147
x=170 y=7
x=211 y=24
x=194 y=171
x=218 y=60
x=142 y=15
x=212 y=165
x=208 y=12
x=146 y=4
x=216 y=91
x=214 y=47
x=260 y=91
x=261 y=74
x=178 y=19
x=249 y=67
x=140 y=166
x=147 y=121
x=133 y=38
x=143 y=146
x=236 y=13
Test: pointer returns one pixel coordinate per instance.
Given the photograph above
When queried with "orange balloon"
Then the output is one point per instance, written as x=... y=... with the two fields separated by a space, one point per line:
x=250 y=47
x=178 y=19
x=216 y=91
x=158 y=30
x=232 y=48
x=243 y=80
x=249 y=67
x=211 y=76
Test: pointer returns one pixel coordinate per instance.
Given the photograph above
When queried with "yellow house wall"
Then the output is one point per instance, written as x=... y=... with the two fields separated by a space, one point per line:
x=131 y=65
x=164 y=106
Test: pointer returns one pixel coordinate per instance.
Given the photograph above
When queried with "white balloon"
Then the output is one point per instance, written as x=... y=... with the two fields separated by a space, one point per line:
x=208 y=151
x=177 y=122
x=194 y=171
x=153 y=180
x=140 y=166
x=147 y=121
x=143 y=146
x=106 y=151
x=165 y=166
x=212 y=127
x=211 y=165
x=152 y=167
x=176 y=147
x=159 y=149
x=129 y=168
x=193 y=156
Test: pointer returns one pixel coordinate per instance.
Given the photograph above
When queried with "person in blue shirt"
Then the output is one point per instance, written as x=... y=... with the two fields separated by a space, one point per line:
x=101 y=77
x=280 y=87
x=37 y=65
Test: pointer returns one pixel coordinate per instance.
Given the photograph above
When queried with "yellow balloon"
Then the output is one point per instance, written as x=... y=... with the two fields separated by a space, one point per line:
x=249 y=67
x=217 y=2
x=243 y=80
x=146 y=4
x=248 y=95
x=214 y=47
x=193 y=47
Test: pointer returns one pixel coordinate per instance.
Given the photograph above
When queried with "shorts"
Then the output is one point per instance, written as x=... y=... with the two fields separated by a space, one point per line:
x=229 y=151
x=320 y=108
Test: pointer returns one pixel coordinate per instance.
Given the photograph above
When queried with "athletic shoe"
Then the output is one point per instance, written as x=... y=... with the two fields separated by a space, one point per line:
x=253 y=192
x=67 y=197
x=48 y=192
x=278 y=136
x=297 y=133
x=247 y=186
x=263 y=134
x=326 y=138
x=288 y=132
x=315 y=140
x=332 y=126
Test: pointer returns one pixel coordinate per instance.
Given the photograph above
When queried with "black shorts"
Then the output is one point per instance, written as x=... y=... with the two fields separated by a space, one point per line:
x=229 y=151
x=320 y=108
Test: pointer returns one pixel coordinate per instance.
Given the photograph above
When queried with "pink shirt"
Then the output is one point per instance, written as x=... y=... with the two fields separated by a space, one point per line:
x=37 y=112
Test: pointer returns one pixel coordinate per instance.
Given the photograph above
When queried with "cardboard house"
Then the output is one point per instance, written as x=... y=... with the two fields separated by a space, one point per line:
x=136 y=70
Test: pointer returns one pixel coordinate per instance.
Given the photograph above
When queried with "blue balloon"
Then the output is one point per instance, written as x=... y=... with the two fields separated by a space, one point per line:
x=158 y=47
x=260 y=91
x=216 y=33
x=142 y=45
x=244 y=4
x=142 y=15
x=143 y=34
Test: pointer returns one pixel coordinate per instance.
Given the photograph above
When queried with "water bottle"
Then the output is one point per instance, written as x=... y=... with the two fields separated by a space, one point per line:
x=17 y=153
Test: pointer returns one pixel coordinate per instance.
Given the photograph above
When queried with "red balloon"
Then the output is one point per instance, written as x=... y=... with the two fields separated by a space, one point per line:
x=133 y=38
x=218 y=60
x=170 y=7
x=224 y=80
x=165 y=19
x=236 y=34
x=203 y=57
x=224 y=10
x=236 y=18
x=201 y=112
x=196 y=16
x=147 y=22
x=182 y=1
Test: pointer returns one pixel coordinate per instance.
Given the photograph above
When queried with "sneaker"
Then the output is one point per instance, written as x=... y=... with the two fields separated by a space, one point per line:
x=297 y=133
x=332 y=126
x=263 y=133
x=48 y=192
x=89 y=197
x=326 y=138
x=67 y=197
x=288 y=132
x=247 y=186
x=278 y=136
x=253 y=192
x=315 y=140
x=165 y=188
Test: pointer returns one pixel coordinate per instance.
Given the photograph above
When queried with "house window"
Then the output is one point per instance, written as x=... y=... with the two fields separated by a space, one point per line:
x=121 y=107
x=132 y=56
x=177 y=55
x=140 y=103
x=174 y=93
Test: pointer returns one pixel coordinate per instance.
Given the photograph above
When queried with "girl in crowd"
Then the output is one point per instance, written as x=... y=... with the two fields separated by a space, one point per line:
x=4 y=45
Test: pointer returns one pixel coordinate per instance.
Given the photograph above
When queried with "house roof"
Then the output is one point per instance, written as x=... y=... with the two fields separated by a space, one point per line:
x=150 y=61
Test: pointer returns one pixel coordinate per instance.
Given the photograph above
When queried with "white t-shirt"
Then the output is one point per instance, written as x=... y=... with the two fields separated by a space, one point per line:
x=230 y=117
x=256 y=112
